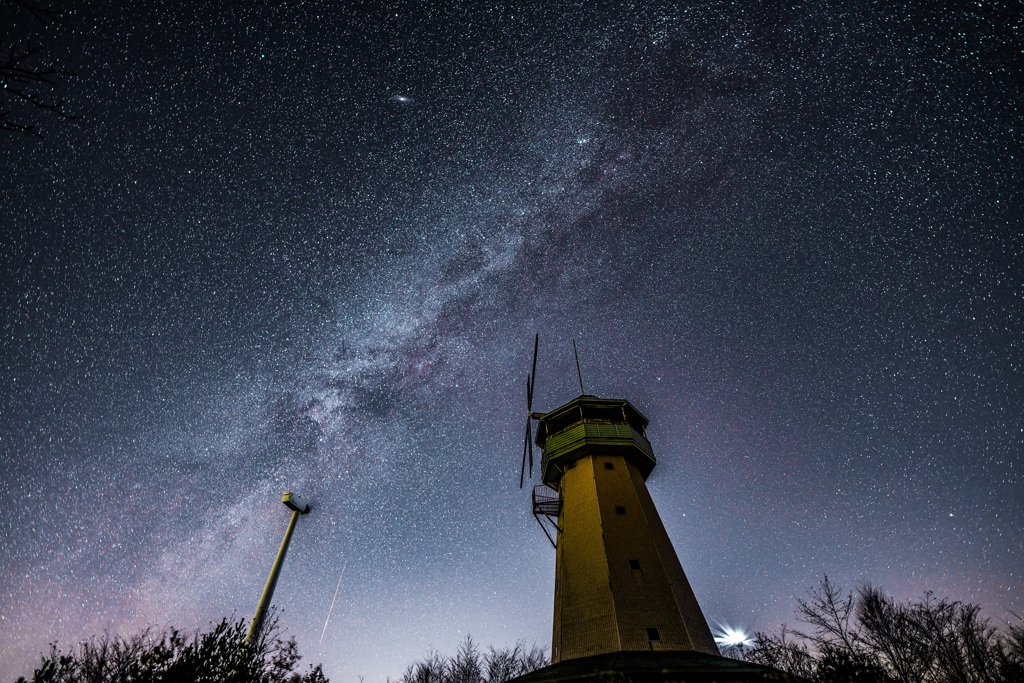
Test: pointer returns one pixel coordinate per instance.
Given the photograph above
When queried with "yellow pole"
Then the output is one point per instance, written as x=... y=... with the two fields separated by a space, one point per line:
x=268 y=590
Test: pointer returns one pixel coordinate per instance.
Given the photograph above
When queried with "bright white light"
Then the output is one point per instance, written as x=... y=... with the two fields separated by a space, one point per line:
x=733 y=637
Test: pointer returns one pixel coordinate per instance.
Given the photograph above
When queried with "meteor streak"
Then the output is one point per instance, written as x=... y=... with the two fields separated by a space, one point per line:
x=327 y=621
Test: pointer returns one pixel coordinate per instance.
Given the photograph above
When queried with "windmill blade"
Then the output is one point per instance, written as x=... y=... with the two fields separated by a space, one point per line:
x=529 y=440
x=530 y=383
x=526 y=440
x=533 y=374
x=522 y=467
x=529 y=404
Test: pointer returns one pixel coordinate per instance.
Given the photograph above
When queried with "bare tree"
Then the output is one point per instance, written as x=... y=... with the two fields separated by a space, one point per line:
x=470 y=665
x=506 y=664
x=28 y=79
x=465 y=666
x=869 y=636
x=780 y=652
x=1011 y=658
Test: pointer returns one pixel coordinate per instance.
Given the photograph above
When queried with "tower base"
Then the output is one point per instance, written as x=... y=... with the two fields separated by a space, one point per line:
x=656 y=667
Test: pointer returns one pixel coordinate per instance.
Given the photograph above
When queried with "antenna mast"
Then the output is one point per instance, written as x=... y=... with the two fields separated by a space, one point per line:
x=578 y=373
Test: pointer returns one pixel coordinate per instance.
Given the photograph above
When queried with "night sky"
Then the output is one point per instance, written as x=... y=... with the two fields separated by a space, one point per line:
x=307 y=245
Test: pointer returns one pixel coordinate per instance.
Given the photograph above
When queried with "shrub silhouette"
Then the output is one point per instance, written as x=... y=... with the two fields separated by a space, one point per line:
x=219 y=655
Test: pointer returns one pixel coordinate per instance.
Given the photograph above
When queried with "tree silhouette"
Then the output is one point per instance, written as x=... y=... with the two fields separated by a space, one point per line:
x=470 y=665
x=867 y=636
x=218 y=655
x=28 y=78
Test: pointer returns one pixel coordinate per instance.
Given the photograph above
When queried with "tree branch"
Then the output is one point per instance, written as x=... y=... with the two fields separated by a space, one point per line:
x=25 y=82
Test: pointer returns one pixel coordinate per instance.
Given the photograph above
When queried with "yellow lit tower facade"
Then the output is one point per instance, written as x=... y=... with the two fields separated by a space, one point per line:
x=624 y=610
x=619 y=585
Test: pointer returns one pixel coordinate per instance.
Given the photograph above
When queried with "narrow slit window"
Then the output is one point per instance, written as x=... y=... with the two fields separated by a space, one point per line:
x=634 y=565
x=620 y=509
x=653 y=635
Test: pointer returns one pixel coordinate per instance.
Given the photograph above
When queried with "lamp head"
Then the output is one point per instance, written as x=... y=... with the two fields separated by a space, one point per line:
x=295 y=503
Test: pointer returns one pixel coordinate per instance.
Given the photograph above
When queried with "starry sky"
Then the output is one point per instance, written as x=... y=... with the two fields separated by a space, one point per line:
x=306 y=245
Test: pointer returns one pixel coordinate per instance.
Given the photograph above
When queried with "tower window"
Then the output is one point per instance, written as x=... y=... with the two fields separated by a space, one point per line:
x=653 y=635
x=609 y=466
x=620 y=509
x=634 y=565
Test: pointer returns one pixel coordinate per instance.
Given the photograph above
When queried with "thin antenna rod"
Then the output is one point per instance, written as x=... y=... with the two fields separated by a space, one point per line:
x=578 y=373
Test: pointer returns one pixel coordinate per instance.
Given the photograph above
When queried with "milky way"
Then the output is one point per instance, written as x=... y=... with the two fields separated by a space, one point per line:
x=296 y=246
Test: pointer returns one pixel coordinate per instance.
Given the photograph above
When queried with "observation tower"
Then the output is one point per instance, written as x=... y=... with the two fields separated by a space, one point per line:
x=624 y=609
x=619 y=584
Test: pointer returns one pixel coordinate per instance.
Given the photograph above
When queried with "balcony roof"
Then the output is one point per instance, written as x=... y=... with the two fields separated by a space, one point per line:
x=590 y=408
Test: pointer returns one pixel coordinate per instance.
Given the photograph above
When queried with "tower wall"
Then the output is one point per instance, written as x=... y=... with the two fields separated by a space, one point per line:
x=603 y=602
x=584 y=621
x=696 y=626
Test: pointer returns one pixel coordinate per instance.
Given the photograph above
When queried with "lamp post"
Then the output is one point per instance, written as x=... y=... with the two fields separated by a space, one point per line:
x=298 y=506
